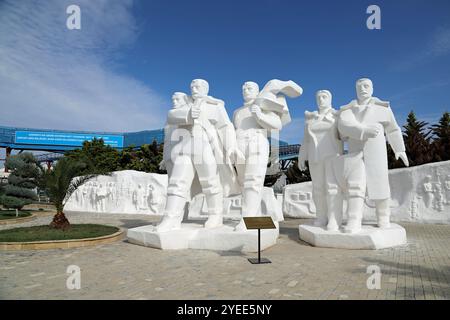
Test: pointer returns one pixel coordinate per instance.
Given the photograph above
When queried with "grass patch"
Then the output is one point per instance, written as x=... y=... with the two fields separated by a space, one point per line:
x=11 y=214
x=45 y=233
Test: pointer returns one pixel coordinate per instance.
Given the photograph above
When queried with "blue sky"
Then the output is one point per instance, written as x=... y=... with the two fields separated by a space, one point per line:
x=118 y=72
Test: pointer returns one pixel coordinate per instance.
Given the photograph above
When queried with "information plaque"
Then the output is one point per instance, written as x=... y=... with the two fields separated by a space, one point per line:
x=258 y=223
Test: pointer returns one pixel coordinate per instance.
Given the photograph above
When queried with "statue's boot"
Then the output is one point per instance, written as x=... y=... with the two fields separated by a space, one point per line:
x=240 y=226
x=214 y=221
x=355 y=206
x=215 y=210
x=334 y=211
x=173 y=215
x=169 y=223
x=251 y=204
x=321 y=210
x=383 y=213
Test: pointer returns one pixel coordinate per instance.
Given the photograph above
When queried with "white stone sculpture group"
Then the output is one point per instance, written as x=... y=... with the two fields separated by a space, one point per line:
x=364 y=124
x=204 y=152
x=207 y=153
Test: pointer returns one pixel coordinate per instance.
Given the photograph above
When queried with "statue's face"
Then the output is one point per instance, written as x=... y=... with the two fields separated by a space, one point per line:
x=249 y=91
x=177 y=101
x=364 y=89
x=323 y=100
x=198 y=90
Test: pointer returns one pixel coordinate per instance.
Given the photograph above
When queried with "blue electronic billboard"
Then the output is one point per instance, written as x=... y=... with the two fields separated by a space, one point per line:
x=65 y=138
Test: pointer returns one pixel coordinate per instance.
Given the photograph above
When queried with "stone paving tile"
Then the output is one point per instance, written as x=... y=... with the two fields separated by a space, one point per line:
x=420 y=270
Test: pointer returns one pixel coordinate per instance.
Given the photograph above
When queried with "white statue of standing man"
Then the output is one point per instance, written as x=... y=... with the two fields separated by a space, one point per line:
x=366 y=123
x=261 y=113
x=203 y=150
x=320 y=144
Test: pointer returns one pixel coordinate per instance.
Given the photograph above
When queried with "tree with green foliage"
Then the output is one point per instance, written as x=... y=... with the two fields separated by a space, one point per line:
x=22 y=181
x=3 y=184
x=417 y=141
x=100 y=158
x=146 y=158
x=441 y=141
x=59 y=184
x=96 y=156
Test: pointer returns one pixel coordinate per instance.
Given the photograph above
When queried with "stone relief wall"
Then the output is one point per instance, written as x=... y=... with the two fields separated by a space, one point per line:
x=125 y=191
x=419 y=194
x=298 y=202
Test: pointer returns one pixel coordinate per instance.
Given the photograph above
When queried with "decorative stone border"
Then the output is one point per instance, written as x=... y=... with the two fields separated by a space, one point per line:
x=62 y=244
x=18 y=220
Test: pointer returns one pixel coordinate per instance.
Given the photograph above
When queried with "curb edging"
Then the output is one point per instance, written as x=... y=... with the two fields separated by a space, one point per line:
x=18 y=220
x=62 y=244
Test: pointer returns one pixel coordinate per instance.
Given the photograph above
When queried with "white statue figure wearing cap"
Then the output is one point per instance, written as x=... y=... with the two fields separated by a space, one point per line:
x=366 y=123
x=261 y=113
x=320 y=144
x=205 y=137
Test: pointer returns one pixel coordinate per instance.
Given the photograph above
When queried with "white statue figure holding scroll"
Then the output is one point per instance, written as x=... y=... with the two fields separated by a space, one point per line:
x=261 y=113
x=320 y=144
x=205 y=150
x=366 y=123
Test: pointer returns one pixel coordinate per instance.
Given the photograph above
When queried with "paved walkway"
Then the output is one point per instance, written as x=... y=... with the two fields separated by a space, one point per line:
x=420 y=270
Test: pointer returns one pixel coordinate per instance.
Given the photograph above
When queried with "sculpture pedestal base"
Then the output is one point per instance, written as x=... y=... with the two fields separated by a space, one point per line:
x=195 y=236
x=370 y=237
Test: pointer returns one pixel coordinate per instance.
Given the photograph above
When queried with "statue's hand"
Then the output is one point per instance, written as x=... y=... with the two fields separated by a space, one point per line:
x=162 y=165
x=403 y=156
x=302 y=164
x=236 y=156
x=256 y=110
x=371 y=131
x=195 y=112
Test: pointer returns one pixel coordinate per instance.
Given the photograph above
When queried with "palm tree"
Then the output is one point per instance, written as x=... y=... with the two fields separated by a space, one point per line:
x=59 y=184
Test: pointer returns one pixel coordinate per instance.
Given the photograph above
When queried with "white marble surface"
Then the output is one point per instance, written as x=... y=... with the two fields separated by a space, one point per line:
x=370 y=237
x=194 y=236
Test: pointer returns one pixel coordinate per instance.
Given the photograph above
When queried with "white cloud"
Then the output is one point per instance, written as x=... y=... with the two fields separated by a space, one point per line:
x=53 y=77
x=440 y=42
x=437 y=45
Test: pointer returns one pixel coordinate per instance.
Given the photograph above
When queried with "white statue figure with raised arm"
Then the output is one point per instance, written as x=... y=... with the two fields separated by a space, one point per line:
x=320 y=144
x=205 y=136
x=366 y=123
x=261 y=113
